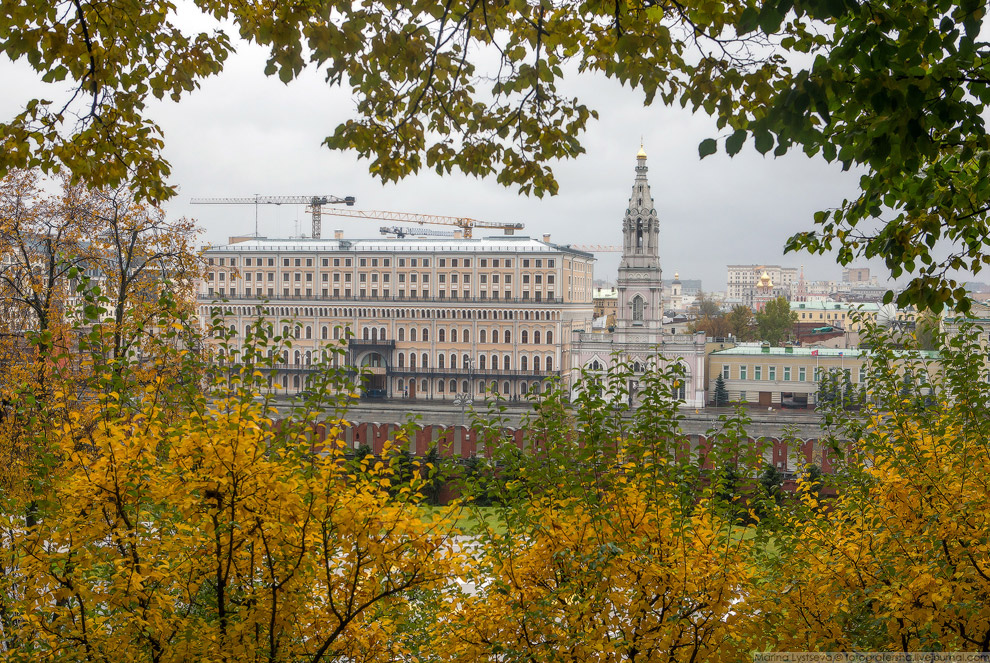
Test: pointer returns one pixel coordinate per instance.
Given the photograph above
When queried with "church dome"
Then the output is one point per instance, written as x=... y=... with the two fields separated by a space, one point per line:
x=642 y=153
x=765 y=281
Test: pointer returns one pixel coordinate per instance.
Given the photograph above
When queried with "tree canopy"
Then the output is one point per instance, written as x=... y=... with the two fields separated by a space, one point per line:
x=899 y=90
x=775 y=321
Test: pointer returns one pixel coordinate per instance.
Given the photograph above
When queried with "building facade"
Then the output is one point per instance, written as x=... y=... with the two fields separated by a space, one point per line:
x=743 y=279
x=421 y=318
x=639 y=337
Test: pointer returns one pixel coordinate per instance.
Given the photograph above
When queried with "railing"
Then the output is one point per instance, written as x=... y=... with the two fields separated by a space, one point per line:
x=219 y=299
x=373 y=342
x=405 y=371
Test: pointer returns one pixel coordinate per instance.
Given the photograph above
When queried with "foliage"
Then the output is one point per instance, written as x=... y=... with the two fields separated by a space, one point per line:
x=897 y=560
x=219 y=534
x=740 y=321
x=618 y=542
x=706 y=307
x=721 y=396
x=776 y=321
x=898 y=90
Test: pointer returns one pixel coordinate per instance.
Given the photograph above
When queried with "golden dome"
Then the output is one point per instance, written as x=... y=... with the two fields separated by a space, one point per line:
x=765 y=281
x=642 y=153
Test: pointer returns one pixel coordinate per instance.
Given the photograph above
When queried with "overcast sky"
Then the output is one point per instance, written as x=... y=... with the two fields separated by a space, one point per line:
x=244 y=133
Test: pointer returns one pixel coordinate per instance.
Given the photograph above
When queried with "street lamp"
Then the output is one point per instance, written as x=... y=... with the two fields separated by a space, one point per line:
x=462 y=400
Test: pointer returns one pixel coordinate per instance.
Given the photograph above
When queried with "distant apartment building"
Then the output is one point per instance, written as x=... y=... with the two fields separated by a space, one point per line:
x=743 y=279
x=425 y=318
x=858 y=276
x=605 y=302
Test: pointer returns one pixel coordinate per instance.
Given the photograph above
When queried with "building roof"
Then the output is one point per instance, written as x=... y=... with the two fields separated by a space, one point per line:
x=829 y=305
x=494 y=244
x=755 y=350
x=605 y=293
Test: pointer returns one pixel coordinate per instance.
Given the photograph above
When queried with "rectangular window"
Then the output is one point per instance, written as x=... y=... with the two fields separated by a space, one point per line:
x=772 y=373
x=467 y=262
x=787 y=373
x=426 y=262
x=298 y=262
x=801 y=374
x=412 y=262
x=508 y=263
x=443 y=262
x=526 y=263
x=364 y=262
x=725 y=371
x=402 y=262
x=336 y=262
x=386 y=262
x=757 y=372
x=549 y=263
x=309 y=262
x=326 y=262
x=742 y=372
x=271 y=262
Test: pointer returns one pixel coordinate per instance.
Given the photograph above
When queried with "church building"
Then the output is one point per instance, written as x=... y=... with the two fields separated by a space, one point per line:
x=639 y=336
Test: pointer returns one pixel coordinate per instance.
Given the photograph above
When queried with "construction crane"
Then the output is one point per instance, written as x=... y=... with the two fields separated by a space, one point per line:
x=314 y=205
x=465 y=224
x=596 y=248
x=399 y=231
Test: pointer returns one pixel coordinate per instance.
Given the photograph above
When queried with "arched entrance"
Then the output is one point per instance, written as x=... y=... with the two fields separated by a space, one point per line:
x=374 y=383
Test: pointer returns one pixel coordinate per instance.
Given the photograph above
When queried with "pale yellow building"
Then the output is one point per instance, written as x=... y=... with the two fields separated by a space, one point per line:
x=428 y=318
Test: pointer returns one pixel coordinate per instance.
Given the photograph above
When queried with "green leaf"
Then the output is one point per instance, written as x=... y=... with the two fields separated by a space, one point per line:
x=735 y=142
x=708 y=146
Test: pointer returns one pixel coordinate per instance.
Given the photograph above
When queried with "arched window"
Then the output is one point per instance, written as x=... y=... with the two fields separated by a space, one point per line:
x=481 y=386
x=481 y=362
x=366 y=334
x=441 y=335
x=464 y=386
x=424 y=386
x=297 y=356
x=426 y=360
x=285 y=381
x=523 y=363
x=412 y=360
x=453 y=362
x=309 y=332
x=494 y=336
x=525 y=336
x=677 y=388
x=536 y=338
x=639 y=233
x=549 y=363
x=412 y=334
x=298 y=331
x=536 y=363
x=505 y=388
x=336 y=333
x=439 y=386
x=637 y=308
x=402 y=361
x=481 y=336
x=506 y=362
x=295 y=382
x=325 y=332
x=400 y=385
x=465 y=362
x=309 y=357
x=453 y=386
x=285 y=331
x=453 y=336
x=467 y=335
x=549 y=337
x=381 y=333
x=426 y=334
x=508 y=336
x=440 y=360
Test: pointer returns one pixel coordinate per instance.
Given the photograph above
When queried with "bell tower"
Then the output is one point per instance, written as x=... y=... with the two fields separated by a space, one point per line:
x=640 y=308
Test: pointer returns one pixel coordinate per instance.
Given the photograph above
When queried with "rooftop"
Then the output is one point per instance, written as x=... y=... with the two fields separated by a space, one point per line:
x=494 y=244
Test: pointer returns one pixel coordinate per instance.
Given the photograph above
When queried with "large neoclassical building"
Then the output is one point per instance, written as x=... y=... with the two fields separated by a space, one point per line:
x=639 y=337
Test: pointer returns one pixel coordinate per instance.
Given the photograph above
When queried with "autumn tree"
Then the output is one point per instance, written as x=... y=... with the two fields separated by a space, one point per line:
x=899 y=91
x=740 y=322
x=223 y=534
x=897 y=560
x=617 y=544
x=775 y=321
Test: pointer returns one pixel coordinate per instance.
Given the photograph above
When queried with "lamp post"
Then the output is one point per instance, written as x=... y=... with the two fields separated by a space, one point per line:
x=462 y=400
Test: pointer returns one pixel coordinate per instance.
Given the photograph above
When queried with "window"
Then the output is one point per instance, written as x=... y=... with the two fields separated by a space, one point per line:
x=725 y=371
x=637 y=305
x=742 y=372
x=772 y=373
x=801 y=374
x=757 y=372
x=787 y=373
